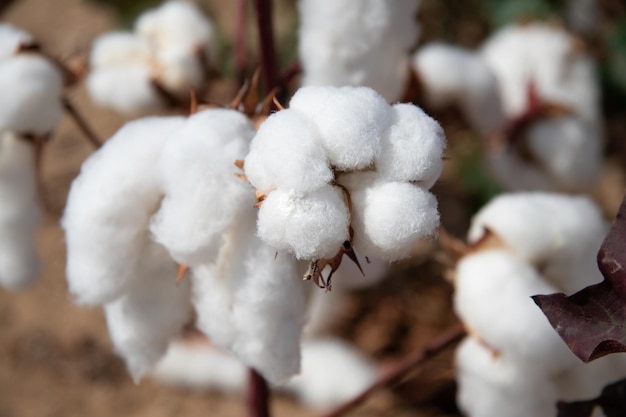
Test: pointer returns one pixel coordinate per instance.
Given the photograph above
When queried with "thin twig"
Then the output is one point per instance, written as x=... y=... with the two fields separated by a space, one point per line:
x=266 y=38
x=258 y=395
x=401 y=369
x=240 y=54
x=81 y=123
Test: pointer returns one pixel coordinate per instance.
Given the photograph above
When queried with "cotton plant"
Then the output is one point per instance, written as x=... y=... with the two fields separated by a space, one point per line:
x=356 y=180
x=342 y=42
x=30 y=108
x=166 y=56
x=512 y=361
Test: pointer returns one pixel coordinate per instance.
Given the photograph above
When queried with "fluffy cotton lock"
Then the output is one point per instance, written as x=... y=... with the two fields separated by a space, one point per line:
x=19 y=213
x=451 y=75
x=359 y=44
x=202 y=194
x=10 y=40
x=109 y=208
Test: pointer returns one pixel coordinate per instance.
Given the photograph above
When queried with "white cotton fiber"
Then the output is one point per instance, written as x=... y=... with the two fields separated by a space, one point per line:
x=119 y=49
x=178 y=71
x=492 y=297
x=311 y=226
x=342 y=42
x=452 y=75
x=19 y=213
x=10 y=40
x=200 y=366
x=412 y=147
x=332 y=372
x=142 y=321
x=31 y=94
x=389 y=217
x=202 y=195
x=351 y=122
x=109 y=208
x=287 y=153
x=559 y=234
x=494 y=386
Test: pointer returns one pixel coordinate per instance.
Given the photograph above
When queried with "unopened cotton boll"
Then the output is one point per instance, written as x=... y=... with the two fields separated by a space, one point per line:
x=10 y=40
x=19 y=213
x=332 y=372
x=202 y=195
x=351 y=122
x=389 y=217
x=492 y=297
x=311 y=226
x=108 y=210
x=287 y=153
x=365 y=43
x=31 y=98
x=142 y=321
x=558 y=233
x=452 y=75
x=412 y=147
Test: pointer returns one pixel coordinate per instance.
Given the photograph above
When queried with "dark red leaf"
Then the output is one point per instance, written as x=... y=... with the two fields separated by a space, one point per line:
x=593 y=321
x=612 y=400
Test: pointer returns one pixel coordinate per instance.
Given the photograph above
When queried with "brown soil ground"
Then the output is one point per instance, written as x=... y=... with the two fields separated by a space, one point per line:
x=56 y=359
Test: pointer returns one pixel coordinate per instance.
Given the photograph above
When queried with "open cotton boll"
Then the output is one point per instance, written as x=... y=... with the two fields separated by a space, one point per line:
x=311 y=226
x=490 y=386
x=351 y=122
x=452 y=75
x=389 y=217
x=492 y=297
x=202 y=195
x=142 y=321
x=126 y=90
x=332 y=372
x=286 y=153
x=558 y=233
x=412 y=147
x=11 y=38
x=200 y=366
x=178 y=71
x=109 y=208
x=31 y=98
x=364 y=43
x=19 y=213
x=119 y=49
x=177 y=24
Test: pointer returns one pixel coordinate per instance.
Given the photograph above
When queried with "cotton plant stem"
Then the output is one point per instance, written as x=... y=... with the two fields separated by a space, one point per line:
x=267 y=47
x=240 y=54
x=257 y=395
x=81 y=123
x=402 y=368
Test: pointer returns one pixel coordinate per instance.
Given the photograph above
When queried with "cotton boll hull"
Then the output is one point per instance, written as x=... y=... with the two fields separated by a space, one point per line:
x=388 y=218
x=109 y=208
x=202 y=194
x=311 y=226
x=19 y=213
x=31 y=99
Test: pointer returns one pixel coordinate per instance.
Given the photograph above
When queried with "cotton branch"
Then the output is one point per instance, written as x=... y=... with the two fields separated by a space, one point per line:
x=257 y=395
x=266 y=37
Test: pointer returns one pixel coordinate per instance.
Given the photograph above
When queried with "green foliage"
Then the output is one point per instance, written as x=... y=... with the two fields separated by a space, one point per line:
x=616 y=54
x=128 y=10
x=502 y=12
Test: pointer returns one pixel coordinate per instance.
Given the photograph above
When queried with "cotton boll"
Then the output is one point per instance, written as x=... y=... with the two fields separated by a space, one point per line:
x=200 y=366
x=412 y=147
x=178 y=71
x=332 y=372
x=452 y=75
x=286 y=153
x=109 y=208
x=10 y=40
x=31 y=99
x=490 y=386
x=559 y=234
x=119 y=49
x=202 y=195
x=142 y=322
x=311 y=226
x=492 y=297
x=390 y=217
x=19 y=213
x=126 y=90
x=351 y=122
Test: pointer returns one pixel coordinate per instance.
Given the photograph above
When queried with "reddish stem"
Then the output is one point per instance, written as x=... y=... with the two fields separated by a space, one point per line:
x=402 y=368
x=241 y=41
x=257 y=395
x=266 y=38
x=81 y=123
